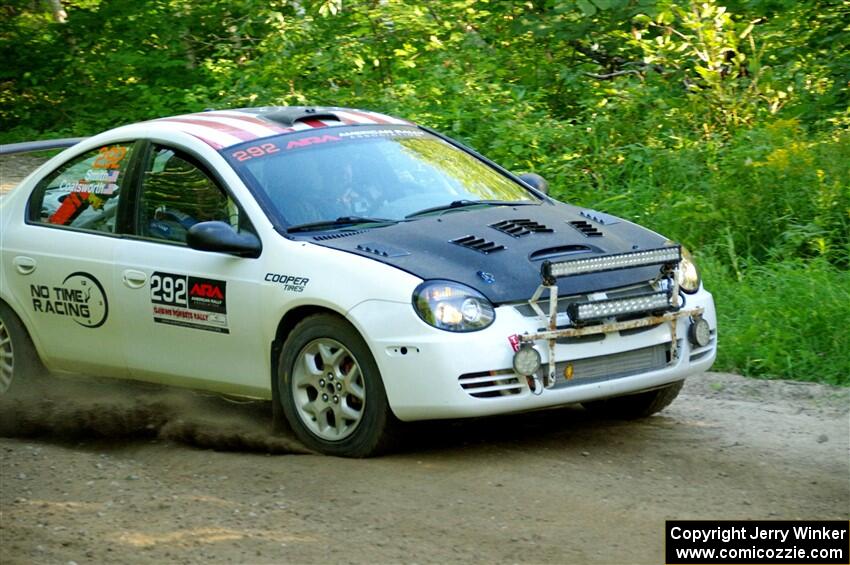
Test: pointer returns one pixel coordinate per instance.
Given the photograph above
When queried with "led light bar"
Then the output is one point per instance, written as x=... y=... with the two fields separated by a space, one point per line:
x=653 y=302
x=664 y=255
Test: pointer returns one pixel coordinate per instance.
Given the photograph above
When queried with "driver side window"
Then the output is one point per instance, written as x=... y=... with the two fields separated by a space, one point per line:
x=177 y=194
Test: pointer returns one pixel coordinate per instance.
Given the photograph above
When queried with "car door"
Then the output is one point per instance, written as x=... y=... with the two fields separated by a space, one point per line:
x=58 y=261
x=192 y=313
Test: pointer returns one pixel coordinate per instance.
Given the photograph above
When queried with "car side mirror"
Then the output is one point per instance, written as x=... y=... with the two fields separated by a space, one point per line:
x=535 y=181
x=221 y=237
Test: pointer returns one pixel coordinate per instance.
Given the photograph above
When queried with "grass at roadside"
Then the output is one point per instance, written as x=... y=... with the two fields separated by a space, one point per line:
x=785 y=319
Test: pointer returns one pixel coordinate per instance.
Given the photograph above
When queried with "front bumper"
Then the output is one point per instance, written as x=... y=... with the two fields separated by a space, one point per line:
x=433 y=374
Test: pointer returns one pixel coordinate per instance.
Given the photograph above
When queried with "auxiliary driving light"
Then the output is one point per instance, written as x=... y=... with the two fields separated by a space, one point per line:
x=699 y=333
x=660 y=256
x=526 y=361
x=583 y=311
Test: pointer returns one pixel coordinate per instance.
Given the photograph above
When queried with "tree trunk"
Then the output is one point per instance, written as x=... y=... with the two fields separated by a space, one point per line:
x=60 y=16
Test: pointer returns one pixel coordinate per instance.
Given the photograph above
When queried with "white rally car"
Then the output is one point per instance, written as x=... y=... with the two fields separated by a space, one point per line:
x=353 y=267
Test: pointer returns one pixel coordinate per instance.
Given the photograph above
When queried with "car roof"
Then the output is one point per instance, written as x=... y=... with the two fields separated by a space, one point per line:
x=225 y=128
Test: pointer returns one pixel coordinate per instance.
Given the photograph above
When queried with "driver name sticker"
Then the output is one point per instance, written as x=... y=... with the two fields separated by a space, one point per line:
x=95 y=182
x=189 y=302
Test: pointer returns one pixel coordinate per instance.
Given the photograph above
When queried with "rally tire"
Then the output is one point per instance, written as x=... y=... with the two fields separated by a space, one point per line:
x=19 y=361
x=330 y=390
x=634 y=406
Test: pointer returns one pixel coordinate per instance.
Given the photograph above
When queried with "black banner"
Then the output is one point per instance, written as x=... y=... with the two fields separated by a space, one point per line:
x=745 y=542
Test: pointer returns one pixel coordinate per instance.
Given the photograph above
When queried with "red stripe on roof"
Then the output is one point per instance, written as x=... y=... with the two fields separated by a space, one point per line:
x=251 y=118
x=214 y=144
x=374 y=118
x=242 y=134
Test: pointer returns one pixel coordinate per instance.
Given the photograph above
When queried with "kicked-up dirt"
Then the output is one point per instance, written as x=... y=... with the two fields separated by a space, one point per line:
x=94 y=473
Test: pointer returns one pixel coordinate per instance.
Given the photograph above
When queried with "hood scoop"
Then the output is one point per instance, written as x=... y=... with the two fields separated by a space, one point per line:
x=519 y=228
x=551 y=252
x=478 y=244
x=586 y=228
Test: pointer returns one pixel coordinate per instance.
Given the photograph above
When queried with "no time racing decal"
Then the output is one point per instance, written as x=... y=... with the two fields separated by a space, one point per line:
x=80 y=297
x=189 y=302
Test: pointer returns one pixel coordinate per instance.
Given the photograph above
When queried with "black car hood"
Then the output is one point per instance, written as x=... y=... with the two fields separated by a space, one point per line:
x=498 y=250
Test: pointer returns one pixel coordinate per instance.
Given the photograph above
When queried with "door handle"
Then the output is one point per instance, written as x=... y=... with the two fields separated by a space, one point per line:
x=24 y=265
x=135 y=279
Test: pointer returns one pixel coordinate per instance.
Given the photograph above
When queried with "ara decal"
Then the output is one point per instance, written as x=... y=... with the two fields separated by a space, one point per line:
x=189 y=302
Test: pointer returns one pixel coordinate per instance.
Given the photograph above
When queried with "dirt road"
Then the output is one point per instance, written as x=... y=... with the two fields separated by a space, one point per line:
x=94 y=473
x=123 y=475
x=13 y=168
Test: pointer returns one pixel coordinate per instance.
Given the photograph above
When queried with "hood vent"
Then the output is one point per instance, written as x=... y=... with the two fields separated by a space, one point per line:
x=519 y=228
x=550 y=252
x=337 y=235
x=600 y=218
x=586 y=228
x=381 y=250
x=477 y=244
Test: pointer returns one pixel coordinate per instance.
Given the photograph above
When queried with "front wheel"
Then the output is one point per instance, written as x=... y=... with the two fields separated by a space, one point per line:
x=634 y=406
x=331 y=391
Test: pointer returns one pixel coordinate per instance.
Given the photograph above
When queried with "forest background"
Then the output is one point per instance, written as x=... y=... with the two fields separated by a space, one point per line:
x=725 y=125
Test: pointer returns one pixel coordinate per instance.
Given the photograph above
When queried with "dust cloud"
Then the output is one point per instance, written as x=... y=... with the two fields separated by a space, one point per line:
x=80 y=411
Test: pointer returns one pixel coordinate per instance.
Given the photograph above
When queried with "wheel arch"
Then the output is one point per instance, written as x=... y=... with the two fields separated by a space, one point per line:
x=287 y=323
x=376 y=439
x=23 y=322
x=31 y=361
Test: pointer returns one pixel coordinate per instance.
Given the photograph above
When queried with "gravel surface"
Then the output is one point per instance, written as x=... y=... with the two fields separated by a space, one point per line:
x=94 y=473
x=14 y=168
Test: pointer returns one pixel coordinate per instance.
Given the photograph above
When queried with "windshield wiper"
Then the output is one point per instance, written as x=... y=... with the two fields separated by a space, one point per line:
x=466 y=204
x=342 y=221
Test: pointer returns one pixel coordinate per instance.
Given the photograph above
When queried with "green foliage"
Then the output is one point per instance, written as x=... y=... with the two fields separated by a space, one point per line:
x=785 y=319
x=725 y=125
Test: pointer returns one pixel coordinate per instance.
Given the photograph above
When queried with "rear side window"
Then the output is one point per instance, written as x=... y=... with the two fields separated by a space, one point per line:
x=83 y=193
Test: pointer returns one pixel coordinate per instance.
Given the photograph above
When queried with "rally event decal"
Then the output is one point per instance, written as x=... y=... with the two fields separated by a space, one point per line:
x=189 y=302
x=80 y=297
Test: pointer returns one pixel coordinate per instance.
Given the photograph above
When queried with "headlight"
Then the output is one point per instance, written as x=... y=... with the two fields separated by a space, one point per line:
x=452 y=306
x=688 y=274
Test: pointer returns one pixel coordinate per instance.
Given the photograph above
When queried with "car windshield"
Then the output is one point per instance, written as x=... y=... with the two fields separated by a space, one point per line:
x=344 y=176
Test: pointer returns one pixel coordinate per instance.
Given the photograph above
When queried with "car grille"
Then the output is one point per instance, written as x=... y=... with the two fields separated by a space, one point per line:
x=495 y=384
x=614 y=366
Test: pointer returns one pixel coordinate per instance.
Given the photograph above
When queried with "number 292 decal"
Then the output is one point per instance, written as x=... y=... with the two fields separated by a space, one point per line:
x=255 y=151
x=189 y=302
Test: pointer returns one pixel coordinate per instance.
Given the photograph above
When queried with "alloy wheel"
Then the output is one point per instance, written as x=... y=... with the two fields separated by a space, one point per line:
x=328 y=389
